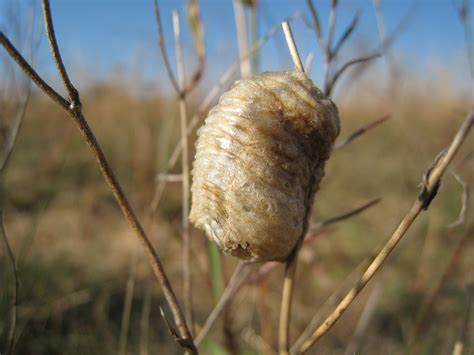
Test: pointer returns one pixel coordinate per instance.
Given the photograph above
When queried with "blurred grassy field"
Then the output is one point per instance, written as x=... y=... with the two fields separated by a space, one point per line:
x=75 y=252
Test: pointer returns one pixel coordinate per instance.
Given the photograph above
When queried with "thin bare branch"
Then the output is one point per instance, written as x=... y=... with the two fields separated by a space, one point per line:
x=464 y=202
x=197 y=30
x=360 y=131
x=331 y=25
x=31 y=73
x=430 y=185
x=188 y=305
x=53 y=44
x=364 y=320
x=75 y=112
x=346 y=66
x=317 y=23
x=343 y=216
x=464 y=16
x=323 y=45
x=290 y=271
x=329 y=304
x=170 y=177
x=6 y=147
x=380 y=25
x=162 y=46
x=345 y=36
x=238 y=277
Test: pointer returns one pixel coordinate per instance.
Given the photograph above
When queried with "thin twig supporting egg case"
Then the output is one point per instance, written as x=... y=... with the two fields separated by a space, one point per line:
x=259 y=159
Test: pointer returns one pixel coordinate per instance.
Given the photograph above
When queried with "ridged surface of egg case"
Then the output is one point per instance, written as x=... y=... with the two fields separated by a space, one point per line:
x=260 y=156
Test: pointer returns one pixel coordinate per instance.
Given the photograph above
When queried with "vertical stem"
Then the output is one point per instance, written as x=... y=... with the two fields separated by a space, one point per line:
x=328 y=55
x=240 y=23
x=253 y=21
x=290 y=269
x=295 y=56
x=215 y=269
x=127 y=309
x=145 y=321
x=188 y=308
x=286 y=301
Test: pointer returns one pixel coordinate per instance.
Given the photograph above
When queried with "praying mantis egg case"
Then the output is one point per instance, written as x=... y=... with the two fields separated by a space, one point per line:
x=260 y=156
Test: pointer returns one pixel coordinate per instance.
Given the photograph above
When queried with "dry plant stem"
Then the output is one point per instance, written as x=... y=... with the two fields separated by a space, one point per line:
x=364 y=321
x=330 y=85
x=430 y=185
x=29 y=71
x=145 y=321
x=241 y=26
x=53 y=44
x=330 y=302
x=200 y=52
x=286 y=301
x=320 y=225
x=162 y=46
x=308 y=63
x=170 y=177
x=347 y=33
x=7 y=146
x=13 y=317
x=331 y=23
x=238 y=277
x=295 y=56
x=290 y=268
x=74 y=111
x=204 y=107
x=188 y=307
x=127 y=309
x=197 y=29
x=380 y=25
x=317 y=24
x=328 y=55
x=360 y=131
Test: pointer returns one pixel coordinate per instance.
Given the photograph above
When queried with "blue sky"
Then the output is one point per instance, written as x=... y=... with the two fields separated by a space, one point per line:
x=103 y=36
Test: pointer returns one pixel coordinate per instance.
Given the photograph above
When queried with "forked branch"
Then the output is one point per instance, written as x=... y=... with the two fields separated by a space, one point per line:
x=73 y=108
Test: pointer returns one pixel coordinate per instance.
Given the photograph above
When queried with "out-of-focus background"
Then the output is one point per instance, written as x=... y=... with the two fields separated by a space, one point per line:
x=77 y=256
